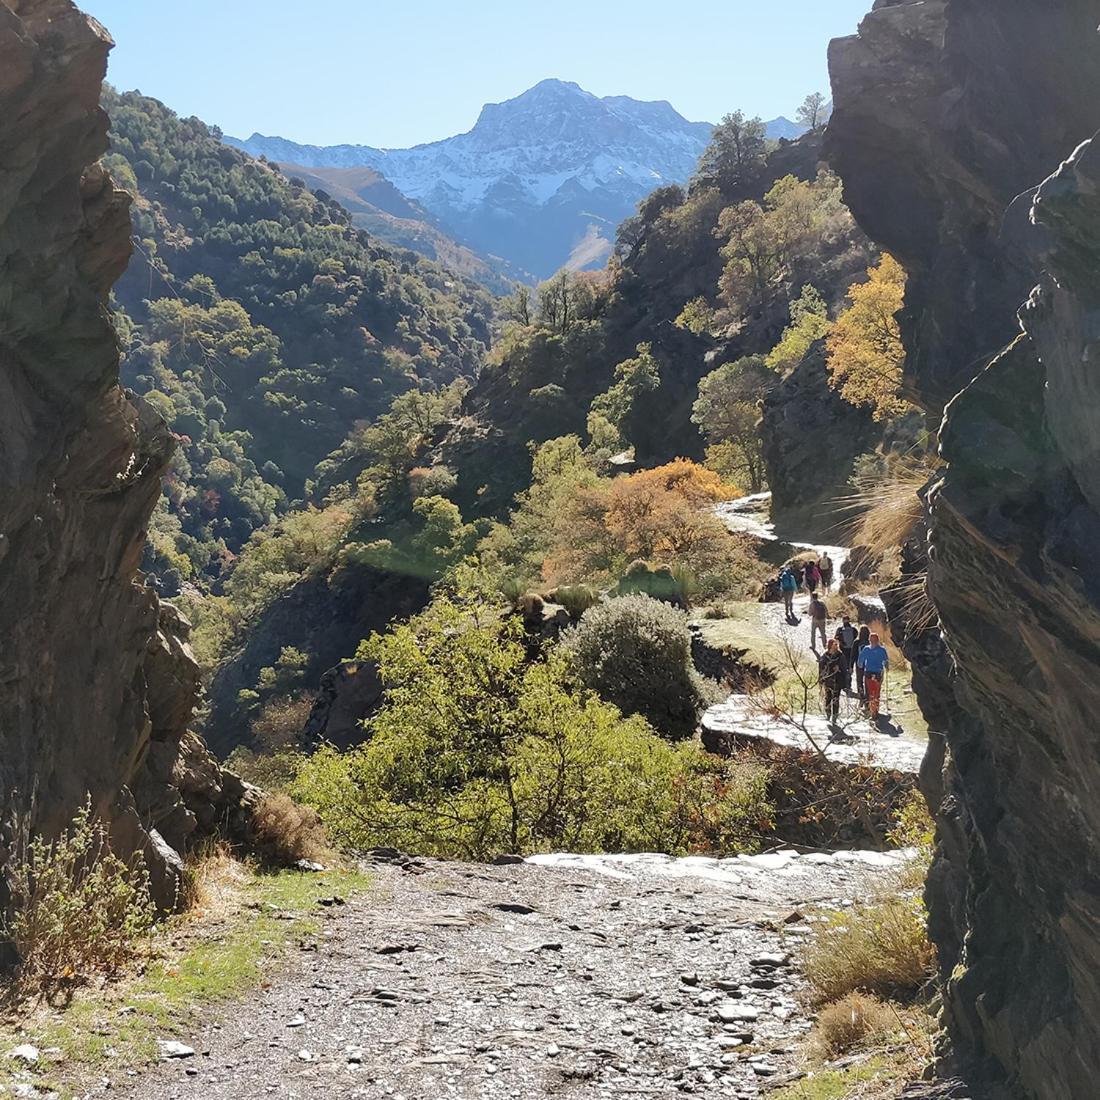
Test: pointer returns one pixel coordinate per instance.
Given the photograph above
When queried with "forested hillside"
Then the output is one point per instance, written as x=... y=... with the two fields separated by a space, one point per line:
x=263 y=326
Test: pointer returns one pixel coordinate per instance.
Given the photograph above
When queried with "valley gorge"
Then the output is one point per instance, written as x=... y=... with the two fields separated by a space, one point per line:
x=389 y=501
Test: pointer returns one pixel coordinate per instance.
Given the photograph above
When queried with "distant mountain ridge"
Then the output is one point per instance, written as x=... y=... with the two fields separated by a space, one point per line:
x=541 y=180
x=378 y=207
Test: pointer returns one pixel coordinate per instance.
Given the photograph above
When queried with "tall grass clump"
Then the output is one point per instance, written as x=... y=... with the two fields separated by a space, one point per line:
x=885 y=509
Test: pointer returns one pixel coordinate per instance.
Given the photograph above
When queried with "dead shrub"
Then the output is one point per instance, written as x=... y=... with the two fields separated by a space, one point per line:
x=880 y=947
x=852 y=1020
x=77 y=910
x=285 y=832
x=212 y=876
x=279 y=725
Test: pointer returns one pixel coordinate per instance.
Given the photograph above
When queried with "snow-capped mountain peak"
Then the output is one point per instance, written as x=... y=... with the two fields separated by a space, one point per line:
x=536 y=172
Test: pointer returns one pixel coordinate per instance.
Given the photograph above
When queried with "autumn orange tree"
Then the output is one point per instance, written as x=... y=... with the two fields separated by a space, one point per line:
x=865 y=350
x=661 y=515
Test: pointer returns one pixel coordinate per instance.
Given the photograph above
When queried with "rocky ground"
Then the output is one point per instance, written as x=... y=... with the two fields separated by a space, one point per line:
x=575 y=976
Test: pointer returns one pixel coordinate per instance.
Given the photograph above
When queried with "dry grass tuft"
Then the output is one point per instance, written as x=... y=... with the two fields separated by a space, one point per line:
x=285 y=831
x=880 y=948
x=885 y=510
x=854 y=1019
x=917 y=609
x=213 y=878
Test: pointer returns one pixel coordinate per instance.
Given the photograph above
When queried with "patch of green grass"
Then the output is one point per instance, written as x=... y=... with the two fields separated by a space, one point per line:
x=837 y=1084
x=743 y=627
x=202 y=963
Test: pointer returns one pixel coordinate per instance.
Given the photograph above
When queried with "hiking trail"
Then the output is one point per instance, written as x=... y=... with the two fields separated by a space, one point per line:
x=584 y=976
x=588 y=976
x=892 y=744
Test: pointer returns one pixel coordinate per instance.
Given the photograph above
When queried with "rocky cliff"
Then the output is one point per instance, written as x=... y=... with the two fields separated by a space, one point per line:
x=811 y=437
x=949 y=114
x=96 y=680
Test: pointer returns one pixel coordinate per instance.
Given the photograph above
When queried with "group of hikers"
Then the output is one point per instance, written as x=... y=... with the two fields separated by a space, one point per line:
x=851 y=652
x=809 y=575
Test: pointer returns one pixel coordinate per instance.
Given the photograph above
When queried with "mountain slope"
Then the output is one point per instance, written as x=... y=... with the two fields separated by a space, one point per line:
x=537 y=175
x=378 y=207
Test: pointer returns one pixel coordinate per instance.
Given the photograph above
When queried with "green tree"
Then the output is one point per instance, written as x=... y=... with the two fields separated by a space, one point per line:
x=735 y=155
x=809 y=322
x=476 y=750
x=727 y=412
x=633 y=378
x=812 y=113
x=781 y=242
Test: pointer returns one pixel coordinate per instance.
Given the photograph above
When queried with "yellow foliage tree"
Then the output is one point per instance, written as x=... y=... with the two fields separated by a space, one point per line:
x=866 y=354
x=659 y=515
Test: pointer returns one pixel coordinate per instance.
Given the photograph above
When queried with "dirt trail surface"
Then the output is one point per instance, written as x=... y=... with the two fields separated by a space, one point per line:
x=855 y=741
x=568 y=976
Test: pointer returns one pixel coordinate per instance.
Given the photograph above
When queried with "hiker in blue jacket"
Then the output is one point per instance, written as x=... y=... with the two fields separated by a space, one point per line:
x=874 y=661
x=788 y=585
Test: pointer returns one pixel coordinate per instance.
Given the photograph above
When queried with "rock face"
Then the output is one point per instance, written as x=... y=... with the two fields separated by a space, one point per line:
x=811 y=437
x=949 y=114
x=96 y=680
x=325 y=616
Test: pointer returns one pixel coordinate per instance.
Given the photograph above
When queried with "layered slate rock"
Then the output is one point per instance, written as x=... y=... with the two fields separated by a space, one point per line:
x=949 y=115
x=97 y=683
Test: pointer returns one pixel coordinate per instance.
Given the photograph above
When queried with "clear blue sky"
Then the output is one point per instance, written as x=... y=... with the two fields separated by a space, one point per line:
x=398 y=72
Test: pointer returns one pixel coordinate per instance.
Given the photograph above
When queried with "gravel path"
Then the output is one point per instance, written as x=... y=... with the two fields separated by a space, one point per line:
x=568 y=976
x=857 y=741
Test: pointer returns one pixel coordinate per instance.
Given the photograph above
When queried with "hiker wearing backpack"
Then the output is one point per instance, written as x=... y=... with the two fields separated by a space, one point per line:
x=812 y=576
x=832 y=675
x=874 y=660
x=848 y=635
x=862 y=642
x=825 y=566
x=788 y=585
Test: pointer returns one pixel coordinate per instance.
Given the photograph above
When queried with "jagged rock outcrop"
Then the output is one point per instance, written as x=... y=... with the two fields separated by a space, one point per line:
x=949 y=114
x=326 y=615
x=811 y=437
x=96 y=680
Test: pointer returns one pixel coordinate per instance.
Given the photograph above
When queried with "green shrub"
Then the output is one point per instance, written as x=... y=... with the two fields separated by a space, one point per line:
x=476 y=751
x=636 y=652
x=575 y=598
x=76 y=909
